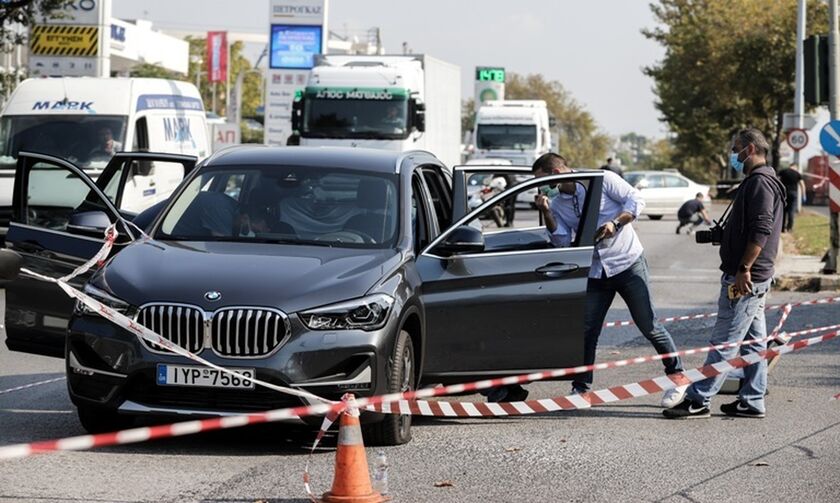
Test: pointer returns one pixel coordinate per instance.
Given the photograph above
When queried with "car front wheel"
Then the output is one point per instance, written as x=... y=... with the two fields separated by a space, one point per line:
x=395 y=429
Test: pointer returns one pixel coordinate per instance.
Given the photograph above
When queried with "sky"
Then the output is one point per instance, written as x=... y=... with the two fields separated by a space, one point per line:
x=593 y=47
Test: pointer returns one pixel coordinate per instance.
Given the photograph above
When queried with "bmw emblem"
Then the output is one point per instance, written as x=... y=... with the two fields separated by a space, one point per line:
x=213 y=295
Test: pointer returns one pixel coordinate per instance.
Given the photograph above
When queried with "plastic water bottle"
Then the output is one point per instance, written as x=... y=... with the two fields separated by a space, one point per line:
x=380 y=473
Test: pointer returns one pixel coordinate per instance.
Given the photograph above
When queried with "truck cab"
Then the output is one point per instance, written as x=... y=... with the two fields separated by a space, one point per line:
x=395 y=103
x=88 y=120
x=516 y=130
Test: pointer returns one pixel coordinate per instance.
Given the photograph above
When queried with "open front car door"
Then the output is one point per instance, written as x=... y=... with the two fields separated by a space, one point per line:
x=503 y=300
x=59 y=218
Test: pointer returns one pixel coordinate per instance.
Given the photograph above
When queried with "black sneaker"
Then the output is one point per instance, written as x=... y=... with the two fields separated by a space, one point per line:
x=510 y=393
x=517 y=393
x=687 y=410
x=740 y=409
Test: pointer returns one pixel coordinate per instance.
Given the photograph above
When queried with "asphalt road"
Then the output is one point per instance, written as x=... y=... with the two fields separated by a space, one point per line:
x=620 y=452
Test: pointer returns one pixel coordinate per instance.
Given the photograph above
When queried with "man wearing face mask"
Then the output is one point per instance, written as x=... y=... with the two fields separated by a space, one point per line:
x=748 y=250
x=618 y=262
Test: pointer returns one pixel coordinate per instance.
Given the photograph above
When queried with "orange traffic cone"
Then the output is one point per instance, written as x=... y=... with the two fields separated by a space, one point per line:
x=352 y=478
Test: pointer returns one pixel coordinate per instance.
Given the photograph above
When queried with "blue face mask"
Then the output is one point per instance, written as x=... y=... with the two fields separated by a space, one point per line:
x=737 y=165
x=549 y=192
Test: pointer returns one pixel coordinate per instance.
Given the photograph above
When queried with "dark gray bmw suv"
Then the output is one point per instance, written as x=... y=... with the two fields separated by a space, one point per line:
x=330 y=270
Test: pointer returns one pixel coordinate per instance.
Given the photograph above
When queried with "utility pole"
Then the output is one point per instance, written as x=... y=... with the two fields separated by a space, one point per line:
x=833 y=55
x=799 y=98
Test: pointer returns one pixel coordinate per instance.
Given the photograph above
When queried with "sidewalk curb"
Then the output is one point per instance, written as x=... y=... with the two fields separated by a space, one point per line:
x=807 y=282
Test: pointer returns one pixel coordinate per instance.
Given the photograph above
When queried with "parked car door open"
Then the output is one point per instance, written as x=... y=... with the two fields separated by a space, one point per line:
x=59 y=216
x=513 y=302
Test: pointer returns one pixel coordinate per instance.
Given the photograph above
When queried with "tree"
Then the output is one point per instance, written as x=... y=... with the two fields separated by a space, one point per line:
x=728 y=64
x=467 y=114
x=153 y=71
x=252 y=95
x=25 y=13
x=579 y=138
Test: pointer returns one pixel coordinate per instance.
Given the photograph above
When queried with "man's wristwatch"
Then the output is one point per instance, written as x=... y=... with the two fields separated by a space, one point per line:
x=616 y=223
x=743 y=268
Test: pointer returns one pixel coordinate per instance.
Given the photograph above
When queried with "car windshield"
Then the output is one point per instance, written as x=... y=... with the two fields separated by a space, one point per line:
x=505 y=136
x=355 y=118
x=88 y=141
x=289 y=205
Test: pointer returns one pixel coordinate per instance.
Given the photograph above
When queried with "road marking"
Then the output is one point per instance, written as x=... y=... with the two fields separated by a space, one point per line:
x=32 y=385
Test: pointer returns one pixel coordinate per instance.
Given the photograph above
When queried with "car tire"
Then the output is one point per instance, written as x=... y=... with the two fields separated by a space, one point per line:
x=100 y=420
x=395 y=429
x=655 y=217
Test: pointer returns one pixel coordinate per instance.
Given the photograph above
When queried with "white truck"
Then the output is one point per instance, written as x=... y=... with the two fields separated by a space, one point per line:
x=517 y=130
x=87 y=120
x=386 y=102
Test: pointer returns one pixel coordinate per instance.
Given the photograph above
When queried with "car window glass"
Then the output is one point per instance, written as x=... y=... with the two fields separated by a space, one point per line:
x=418 y=217
x=149 y=182
x=508 y=227
x=440 y=196
x=55 y=193
x=674 y=181
x=655 y=182
x=307 y=206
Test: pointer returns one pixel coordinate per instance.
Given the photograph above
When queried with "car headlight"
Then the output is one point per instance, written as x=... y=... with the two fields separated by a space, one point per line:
x=104 y=297
x=367 y=313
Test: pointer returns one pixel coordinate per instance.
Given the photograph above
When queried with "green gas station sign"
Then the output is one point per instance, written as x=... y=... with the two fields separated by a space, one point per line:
x=489 y=74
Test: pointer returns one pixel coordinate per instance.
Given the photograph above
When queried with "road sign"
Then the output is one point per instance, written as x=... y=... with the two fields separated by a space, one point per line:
x=797 y=139
x=64 y=40
x=791 y=121
x=830 y=137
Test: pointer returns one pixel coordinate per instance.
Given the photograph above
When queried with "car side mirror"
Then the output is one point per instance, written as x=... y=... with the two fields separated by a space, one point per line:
x=10 y=263
x=552 y=121
x=418 y=115
x=463 y=239
x=89 y=223
x=297 y=115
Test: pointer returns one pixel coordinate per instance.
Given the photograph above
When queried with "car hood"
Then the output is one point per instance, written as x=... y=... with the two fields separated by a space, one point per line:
x=287 y=277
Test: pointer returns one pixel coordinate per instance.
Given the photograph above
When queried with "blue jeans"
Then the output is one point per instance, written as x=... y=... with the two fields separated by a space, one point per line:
x=632 y=285
x=737 y=320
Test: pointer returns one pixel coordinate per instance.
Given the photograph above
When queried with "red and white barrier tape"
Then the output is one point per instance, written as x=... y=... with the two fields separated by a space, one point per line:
x=836 y=397
x=585 y=400
x=32 y=385
x=626 y=323
x=404 y=406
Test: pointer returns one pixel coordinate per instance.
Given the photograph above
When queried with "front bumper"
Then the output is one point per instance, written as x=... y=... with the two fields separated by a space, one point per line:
x=109 y=367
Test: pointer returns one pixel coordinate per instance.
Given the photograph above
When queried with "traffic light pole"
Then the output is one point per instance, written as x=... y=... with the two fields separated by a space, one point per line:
x=833 y=54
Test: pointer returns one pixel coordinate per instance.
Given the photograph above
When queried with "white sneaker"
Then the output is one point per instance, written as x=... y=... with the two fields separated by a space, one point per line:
x=673 y=396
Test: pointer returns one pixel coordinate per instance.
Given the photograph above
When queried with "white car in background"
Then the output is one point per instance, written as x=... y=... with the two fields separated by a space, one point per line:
x=665 y=191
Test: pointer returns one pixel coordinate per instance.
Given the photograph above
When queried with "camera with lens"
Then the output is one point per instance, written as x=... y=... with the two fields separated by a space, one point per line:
x=713 y=235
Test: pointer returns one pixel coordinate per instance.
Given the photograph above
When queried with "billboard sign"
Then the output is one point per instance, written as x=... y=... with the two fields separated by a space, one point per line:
x=217 y=56
x=294 y=47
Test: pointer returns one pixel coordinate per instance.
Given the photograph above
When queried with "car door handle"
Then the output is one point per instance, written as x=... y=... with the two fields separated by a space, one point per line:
x=555 y=270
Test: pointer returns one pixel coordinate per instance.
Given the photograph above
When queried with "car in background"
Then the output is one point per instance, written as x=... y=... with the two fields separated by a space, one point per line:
x=330 y=270
x=665 y=191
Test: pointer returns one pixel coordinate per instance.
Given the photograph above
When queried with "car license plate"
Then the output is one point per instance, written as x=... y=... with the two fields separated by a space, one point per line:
x=181 y=375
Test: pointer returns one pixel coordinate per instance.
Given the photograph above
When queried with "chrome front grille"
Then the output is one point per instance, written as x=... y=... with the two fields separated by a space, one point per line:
x=183 y=325
x=247 y=331
x=237 y=332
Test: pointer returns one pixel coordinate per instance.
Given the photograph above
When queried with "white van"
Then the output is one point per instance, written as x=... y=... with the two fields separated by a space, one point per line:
x=86 y=120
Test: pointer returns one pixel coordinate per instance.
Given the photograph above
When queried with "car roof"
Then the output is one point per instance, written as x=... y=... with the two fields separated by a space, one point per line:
x=654 y=172
x=364 y=159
